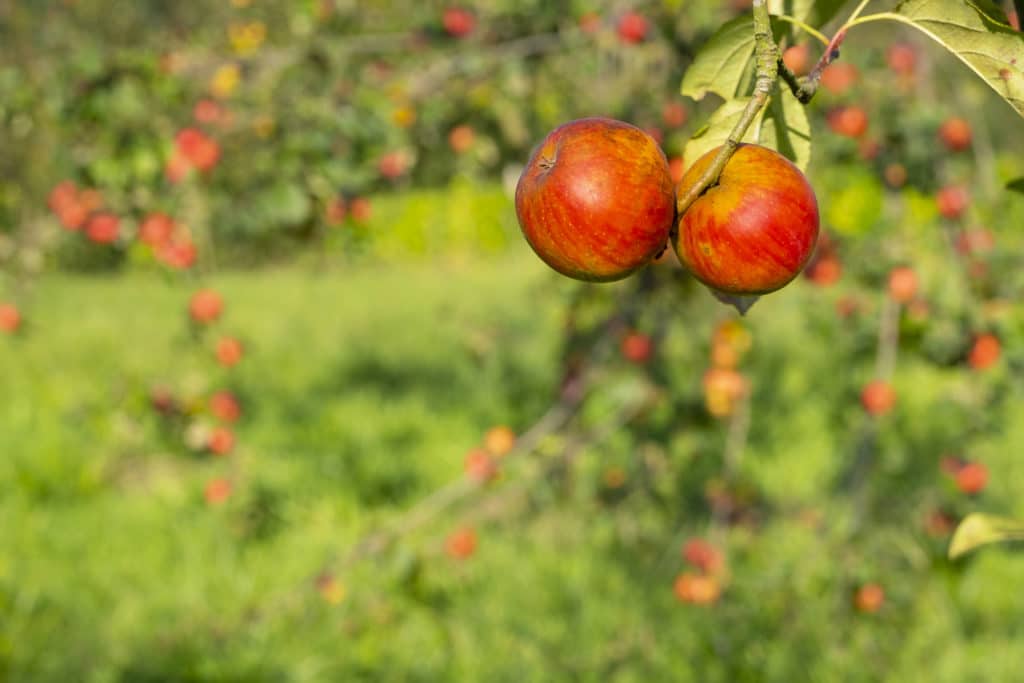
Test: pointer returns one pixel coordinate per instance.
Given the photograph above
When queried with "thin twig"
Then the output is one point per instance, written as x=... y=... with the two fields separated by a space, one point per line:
x=767 y=59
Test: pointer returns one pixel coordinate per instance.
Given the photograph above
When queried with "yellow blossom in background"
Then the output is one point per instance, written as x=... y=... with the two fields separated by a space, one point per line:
x=404 y=116
x=246 y=38
x=225 y=80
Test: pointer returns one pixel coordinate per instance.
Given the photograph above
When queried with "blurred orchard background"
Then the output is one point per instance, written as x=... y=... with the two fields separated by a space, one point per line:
x=287 y=397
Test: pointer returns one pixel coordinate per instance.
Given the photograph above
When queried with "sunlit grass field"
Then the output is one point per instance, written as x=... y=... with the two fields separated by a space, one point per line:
x=362 y=389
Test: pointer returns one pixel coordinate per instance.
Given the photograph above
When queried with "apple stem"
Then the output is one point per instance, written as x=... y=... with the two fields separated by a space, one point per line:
x=805 y=88
x=767 y=61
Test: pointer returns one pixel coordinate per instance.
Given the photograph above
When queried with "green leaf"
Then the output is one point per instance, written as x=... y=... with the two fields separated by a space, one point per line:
x=1016 y=185
x=786 y=129
x=716 y=131
x=977 y=32
x=978 y=529
x=723 y=61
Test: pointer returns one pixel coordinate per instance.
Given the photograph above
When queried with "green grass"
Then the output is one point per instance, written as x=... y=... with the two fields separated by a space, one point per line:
x=363 y=389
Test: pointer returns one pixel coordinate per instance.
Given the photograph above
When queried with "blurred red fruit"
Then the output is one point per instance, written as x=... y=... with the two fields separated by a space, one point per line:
x=177 y=168
x=676 y=169
x=637 y=348
x=197 y=148
x=797 y=59
x=903 y=284
x=703 y=555
x=221 y=441
x=458 y=22
x=869 y=598
x=103 y=228
x=177 y=254
x=939 y=524
x=902 y=59
x=360 y=209
x=229 y=351
x=895 y=175
x=393 y=165
x=824 y=271
x=952 y=201
x=878 y=397
x=162 y=401
x=461 y=138
x=72 y=216
x=955 y=134
x=156 y=229
x=500 y=440
x=1014 y=19
x=975 y=241
x=63 y=194
x=207 y=111
x=479 y=466
x=851 y=122
x=632 y=27
x=225 y=407
x=971 y=478
x=697 y=589
x=985 y=352
x=838 y=78
x=217 y=491
x=334 y=211
x=205 y=306
x=674 y=114
x=461 y=544
x=10 y=318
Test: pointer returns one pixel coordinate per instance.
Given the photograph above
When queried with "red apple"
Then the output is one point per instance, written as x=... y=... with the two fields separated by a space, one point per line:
x=461 y=138
x=753 y=231
x=217 y=491
x=461 y=544
x=458 y=22
x=156 y=229
x=360 y=209
x=971 y=478
x=221 y=441
x=869 y=598
x=955 y=134
x=984 y=352
x=975 y=241
x=676 y=168
x=178 y=253
x=697 y=589
x=824 y=271
x=393 y=165
x=102 y=228
x=595 y=200
x=334 y=211
x=838 y=78
x=205 y=306
x=637 y=348
x=703 y=555
x=225 y=407
x=674 y=114
x=590 y=22
x=632 y=27
x=952 y=201
x=878 y=397
x=480 y=466
x=229 y=351
x=797 y=59
x=10 y=318
x=499 y=441
x=207 y=111
x=63 y=194
x=903 y=284
x=902 y=59
x=851 y=122
x=895 y=175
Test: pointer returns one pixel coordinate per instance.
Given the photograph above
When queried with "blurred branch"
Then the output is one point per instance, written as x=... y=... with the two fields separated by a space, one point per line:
x=888 y=339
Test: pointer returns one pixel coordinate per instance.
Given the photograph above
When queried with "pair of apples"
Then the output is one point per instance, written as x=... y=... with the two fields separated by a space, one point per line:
x=596 y=202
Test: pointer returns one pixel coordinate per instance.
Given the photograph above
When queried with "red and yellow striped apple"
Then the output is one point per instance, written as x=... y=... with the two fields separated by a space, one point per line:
x=753 y=231
x=596 y=200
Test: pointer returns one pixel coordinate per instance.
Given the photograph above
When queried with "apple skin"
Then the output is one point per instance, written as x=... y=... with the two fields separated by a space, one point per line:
x=752 y=232
x=596 y=200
